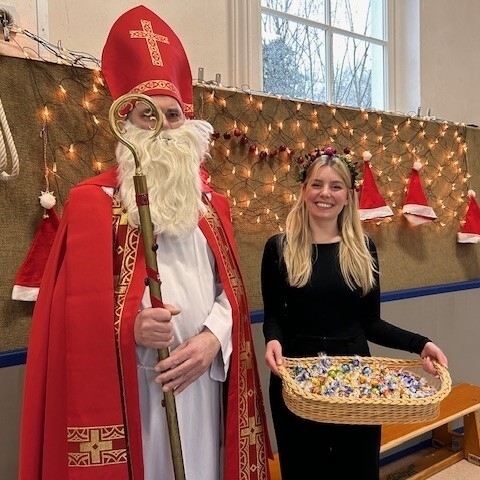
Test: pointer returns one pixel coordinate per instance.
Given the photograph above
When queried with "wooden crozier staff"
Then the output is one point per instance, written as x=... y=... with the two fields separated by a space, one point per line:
x=117 y=117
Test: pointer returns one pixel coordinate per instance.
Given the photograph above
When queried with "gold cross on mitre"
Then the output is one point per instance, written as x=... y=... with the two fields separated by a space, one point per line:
x=152 y=38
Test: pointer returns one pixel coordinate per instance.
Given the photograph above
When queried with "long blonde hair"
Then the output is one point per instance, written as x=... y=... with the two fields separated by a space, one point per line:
x=356 y=263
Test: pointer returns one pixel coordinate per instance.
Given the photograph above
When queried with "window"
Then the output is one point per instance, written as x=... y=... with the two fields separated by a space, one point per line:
x=326 y=50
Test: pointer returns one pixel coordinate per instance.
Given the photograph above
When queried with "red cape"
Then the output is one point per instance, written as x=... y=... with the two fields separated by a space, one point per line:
x=80 y=417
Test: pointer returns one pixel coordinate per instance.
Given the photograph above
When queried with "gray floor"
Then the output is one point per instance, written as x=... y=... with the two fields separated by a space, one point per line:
x=459 y=471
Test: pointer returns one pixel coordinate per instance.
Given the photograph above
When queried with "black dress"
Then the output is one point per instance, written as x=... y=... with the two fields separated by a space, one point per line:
x=324 y=316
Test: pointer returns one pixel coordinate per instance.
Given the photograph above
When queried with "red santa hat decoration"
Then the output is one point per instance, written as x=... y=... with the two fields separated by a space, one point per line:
x=470 y=232
x=372 y=204
x=28 y=278
x=415 y=208
x=143 y=55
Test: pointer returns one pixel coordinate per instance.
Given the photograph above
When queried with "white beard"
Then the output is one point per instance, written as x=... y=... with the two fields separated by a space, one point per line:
x=170 y=163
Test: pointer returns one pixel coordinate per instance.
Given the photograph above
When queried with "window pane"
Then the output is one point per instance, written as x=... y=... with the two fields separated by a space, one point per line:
x=356 y=16
x=311 y=10
x=293 y=59
x=306 y=56
x=357 y=73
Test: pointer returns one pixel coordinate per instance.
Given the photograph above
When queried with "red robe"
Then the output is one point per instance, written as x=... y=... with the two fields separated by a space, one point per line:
x=80 y=416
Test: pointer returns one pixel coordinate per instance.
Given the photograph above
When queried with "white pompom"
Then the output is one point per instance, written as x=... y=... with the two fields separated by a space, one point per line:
x=471 y=193
x=417 y=165
x=47 y=200
x=366 y=155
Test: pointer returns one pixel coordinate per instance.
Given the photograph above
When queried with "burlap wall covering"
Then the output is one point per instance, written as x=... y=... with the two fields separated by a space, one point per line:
x=258 y=140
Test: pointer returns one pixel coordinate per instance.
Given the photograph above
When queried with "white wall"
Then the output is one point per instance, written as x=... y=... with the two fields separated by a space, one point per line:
x=11 y=389
x=218 y=38
x=450 y=64
x=83 y=26
x=405 y=83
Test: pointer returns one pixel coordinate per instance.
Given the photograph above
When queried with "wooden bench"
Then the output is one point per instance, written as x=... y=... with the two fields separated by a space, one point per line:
x=449 y=446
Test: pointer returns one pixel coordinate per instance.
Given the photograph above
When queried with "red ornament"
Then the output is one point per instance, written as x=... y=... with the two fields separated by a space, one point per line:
x=244 y=140
x=215 y=135
x=291 y=153
x=263 y=154
x=227 y=135
x=273 y=152
x=282 y=148
x=237 y=132
x=252 y=149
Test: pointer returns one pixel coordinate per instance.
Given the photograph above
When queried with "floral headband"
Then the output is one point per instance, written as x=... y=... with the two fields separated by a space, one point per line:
x=346 y=158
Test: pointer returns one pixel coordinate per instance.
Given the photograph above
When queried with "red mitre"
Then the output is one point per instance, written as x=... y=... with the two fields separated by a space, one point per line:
x=142 y=54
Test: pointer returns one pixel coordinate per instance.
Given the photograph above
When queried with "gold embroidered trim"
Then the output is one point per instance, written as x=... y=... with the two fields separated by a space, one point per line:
x=96 y=446
x=156 y=84
x=126 y=249
x=252 y=434
x=163 y=85
x=152 y=39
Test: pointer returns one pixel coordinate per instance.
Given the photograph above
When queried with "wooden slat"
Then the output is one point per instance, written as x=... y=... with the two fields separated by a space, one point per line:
x=274 y=467
x=422 y=466
x=471 y=439
x=463 y=399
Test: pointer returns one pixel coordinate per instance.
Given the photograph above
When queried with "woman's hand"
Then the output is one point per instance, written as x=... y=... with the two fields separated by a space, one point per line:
x=432 y=353
x=273 y=356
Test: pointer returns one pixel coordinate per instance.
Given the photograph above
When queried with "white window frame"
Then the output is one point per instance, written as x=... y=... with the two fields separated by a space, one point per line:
x=402 y=85
x=245 y=43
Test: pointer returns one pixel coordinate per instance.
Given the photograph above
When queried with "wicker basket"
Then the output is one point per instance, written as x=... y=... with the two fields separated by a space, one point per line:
x=365 y=411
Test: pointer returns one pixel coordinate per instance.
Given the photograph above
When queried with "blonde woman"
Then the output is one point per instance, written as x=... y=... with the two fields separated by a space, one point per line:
x=321 y=293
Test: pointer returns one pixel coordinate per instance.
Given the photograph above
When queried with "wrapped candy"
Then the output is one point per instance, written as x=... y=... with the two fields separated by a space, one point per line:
x=359 y=379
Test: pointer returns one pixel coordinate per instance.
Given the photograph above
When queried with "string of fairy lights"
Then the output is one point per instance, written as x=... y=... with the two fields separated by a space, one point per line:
x=259 y=141
x=257 y=153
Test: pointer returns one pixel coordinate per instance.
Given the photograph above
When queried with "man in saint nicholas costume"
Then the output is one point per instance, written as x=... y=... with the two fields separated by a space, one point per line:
x=94 y=387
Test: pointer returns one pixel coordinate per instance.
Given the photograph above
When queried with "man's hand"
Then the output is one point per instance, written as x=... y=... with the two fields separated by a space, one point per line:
x=153 y=327
x=187 y=362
